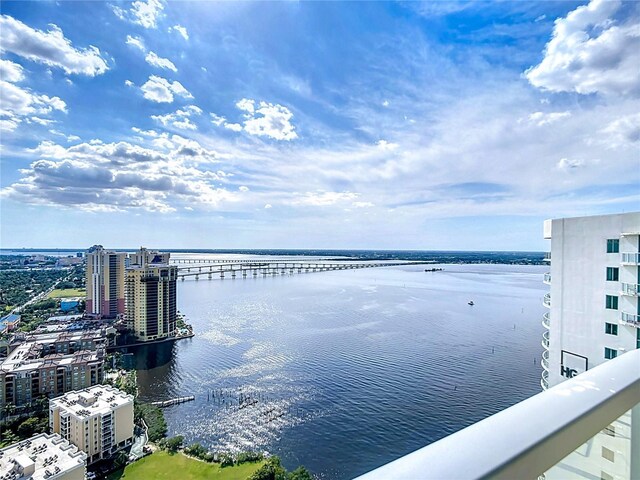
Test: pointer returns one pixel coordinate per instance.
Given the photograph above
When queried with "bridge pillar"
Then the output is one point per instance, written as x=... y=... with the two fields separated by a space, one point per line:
x=209 y=275
x=197 y=277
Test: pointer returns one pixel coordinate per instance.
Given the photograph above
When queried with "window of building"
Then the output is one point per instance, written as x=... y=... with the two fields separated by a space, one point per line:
x=610 y=430
x=605 y=476
x=638 y=336
x=611 y=302
x=611 y=328
x=613 y=245
x=610 y=353
x=612 y=274
x=607 y=454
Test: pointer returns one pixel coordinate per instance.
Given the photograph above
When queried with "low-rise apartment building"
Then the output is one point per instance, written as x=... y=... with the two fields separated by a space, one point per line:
x=43 y=457
x=98 y=420
x=49 y=365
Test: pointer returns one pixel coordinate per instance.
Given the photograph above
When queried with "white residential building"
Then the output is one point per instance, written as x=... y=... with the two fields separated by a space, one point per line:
x=98 y=420
x=41 y=457
x=594 y=316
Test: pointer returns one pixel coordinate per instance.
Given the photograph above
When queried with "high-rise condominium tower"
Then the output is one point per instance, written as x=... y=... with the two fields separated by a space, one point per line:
x=151 y=308
x=594 y=316
x=105 y=282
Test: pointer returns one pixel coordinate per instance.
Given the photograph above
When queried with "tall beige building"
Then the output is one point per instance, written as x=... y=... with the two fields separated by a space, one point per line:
x=145 y=256
x=98 y=420
x=105 y=282
x=151 y=300
x=41 y=457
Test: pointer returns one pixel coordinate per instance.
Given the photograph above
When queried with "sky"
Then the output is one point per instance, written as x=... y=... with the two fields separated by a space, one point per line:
x=384 y=125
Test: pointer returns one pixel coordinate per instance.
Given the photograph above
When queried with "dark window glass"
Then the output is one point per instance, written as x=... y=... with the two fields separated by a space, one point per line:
x=613 y=245
x=612 y=274
x=611 y=328
x=611 y=302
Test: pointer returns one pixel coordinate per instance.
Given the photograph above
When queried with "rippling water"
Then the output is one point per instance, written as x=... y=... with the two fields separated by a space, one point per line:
x=344 y=371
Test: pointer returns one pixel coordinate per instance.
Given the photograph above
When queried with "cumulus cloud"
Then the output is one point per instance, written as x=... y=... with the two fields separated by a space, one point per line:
x=624 y=131
x=236 y=127
x=267 y=119
x=384 y=145
x=49 y=48
x=156 y=61
x=220 y=121
x=122 y=176
x=591 y=52
x=540 y=119
x=136 y=42
x=18 y=104
x=181 y=30
x=141 y=13
x=569 y=164
x=158 y=89
x=180 y=118
x=10 y=71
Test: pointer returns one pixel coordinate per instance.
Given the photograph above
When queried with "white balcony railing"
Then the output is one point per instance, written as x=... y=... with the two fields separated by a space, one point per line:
x=545 y=340
x=531 y=437
x=544 y=381
x=546 y=301
x=547 y=257
x=630 y=319
x=545 y=360
x=546 y=320
x=547 y=278
x=630 y=258
x=631 y=289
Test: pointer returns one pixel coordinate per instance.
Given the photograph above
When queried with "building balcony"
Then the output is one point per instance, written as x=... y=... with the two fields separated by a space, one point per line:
x=544 y=381
x=630 y=319
x=630 y=289
x=556 y=433
x=546 y=301
x=630 y=258
x=545 y=360
x=547 y=278
x=546 y=320
x=547 y=257
x=545 y=340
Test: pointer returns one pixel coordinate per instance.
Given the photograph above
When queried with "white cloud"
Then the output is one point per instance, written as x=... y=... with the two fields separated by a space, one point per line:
x=141 y=13
x=236 y=127
x=181 y=30
x=624 y=131
x=158 y=89
x=10 y=71
x=136 y=42
x=50 y=48
x=180 y=118
x=267 y=206
x=363 y=204
x=156 y=61
x=73 y=138
x=17 y=104
x=540 y=119
x=323 y=199
x=243 y=188
x=385 y=103
x=268 y=119
x=384 y=145
x=42 y=121
x=98 y=176
x=128 y=83
x=590 y=52
x=217 y=120
x=568 y=164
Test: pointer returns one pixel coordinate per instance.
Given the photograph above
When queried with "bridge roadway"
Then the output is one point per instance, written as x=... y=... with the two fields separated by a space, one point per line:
x=272 y=267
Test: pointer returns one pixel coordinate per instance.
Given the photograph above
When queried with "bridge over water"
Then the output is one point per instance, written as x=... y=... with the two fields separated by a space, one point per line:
x=254 y=268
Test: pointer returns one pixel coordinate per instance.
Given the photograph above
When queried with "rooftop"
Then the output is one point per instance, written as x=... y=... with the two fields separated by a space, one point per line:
x=96 y=400
x=40 y=457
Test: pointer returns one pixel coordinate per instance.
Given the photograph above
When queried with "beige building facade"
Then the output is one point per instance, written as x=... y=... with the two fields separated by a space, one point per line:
x=151 y=308
x=98 y=420
x=105 y=282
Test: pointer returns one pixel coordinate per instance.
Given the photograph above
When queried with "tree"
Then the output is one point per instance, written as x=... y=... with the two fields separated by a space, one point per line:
x=271 y=470
x=173 y=444
x=28 y=427
x=300 y=473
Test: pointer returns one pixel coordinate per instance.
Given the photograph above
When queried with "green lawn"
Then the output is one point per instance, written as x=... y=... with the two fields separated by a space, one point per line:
x=162 y=466
x=67 y=293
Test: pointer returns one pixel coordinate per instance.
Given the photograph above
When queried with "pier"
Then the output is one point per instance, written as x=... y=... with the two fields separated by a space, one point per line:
x=248 y=268
x=173 y=401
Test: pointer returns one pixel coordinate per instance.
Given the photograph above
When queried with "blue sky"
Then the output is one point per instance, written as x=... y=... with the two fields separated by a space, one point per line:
x=402 y=125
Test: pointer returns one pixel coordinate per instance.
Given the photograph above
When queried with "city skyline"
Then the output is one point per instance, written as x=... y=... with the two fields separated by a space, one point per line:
x=315 y=125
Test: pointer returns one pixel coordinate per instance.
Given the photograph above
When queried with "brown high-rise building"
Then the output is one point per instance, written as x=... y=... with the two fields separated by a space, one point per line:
x=105 y=282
